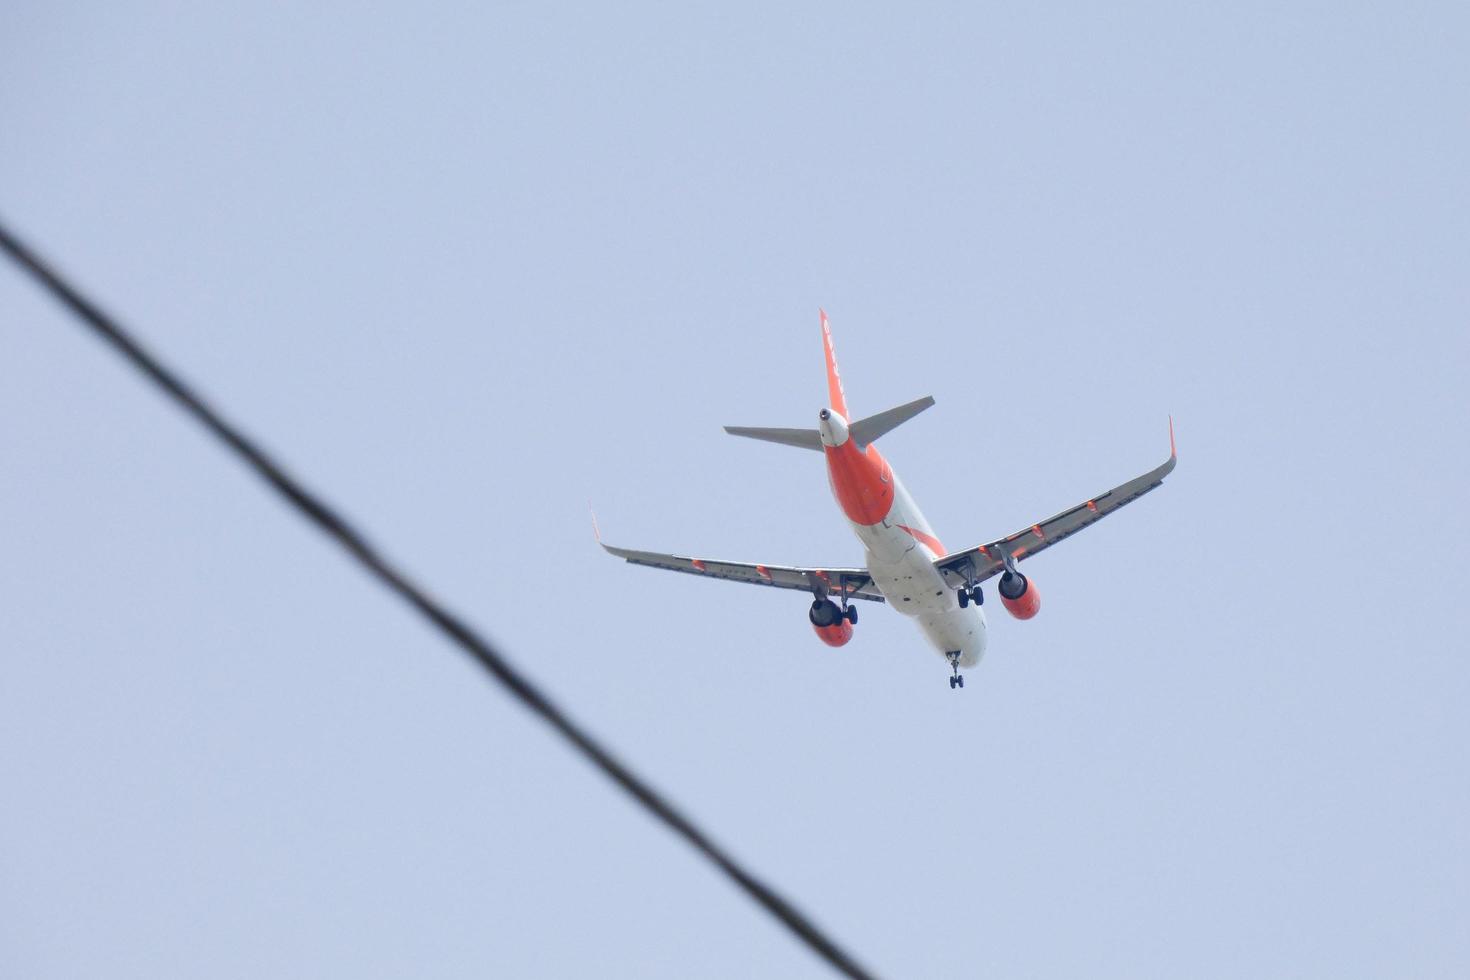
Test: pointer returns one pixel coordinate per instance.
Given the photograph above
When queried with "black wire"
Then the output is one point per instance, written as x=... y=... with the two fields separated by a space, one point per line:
x=329 y=522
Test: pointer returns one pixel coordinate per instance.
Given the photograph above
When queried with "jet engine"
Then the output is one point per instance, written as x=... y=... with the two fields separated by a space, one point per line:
x=1018 y=595
x=834 y=628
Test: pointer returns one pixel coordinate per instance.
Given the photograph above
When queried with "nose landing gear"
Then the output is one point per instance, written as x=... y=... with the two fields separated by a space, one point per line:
x=957 y=679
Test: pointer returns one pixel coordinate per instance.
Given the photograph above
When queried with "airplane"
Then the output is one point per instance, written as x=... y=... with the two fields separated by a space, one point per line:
x=906 y=565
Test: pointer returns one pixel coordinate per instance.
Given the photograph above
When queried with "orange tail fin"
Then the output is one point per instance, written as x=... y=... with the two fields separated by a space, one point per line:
x=835 y=394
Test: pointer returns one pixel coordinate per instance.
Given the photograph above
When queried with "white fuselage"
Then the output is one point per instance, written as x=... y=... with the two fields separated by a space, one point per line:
x=901 y=551
x=902 y=566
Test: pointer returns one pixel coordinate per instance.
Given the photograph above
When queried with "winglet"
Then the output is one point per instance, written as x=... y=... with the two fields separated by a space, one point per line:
x=596 y=531
x=835 y=395
x=1173 y=453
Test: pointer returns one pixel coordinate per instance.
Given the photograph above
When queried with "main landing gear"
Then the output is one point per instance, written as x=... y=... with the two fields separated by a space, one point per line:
x=846 y=611
x=958 y=680
x=970 y=592
x=849 y=612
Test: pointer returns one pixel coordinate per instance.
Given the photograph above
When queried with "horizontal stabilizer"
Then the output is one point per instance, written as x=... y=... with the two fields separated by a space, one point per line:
x=869 y=429
x=800 y=438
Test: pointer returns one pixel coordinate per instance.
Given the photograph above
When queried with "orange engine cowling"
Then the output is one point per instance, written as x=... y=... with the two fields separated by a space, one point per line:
x=831 y=626
x=1018 y=595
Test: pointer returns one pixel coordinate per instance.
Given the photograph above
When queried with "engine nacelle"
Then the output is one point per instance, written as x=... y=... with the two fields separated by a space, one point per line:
x=832 y=627
x=1018 y=595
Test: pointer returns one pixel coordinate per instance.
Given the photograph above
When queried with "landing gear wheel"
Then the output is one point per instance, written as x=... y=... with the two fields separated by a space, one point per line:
x=953 y=681
x=851 y=614
x=959 y=679
x=964 y=598
x=977 y=597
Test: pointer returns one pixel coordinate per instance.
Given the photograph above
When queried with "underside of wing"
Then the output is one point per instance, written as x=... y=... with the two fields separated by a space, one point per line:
x=984 y=561
x=855 y=582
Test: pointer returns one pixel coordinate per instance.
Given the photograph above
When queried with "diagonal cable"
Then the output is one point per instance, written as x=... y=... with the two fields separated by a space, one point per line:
x=327 y=520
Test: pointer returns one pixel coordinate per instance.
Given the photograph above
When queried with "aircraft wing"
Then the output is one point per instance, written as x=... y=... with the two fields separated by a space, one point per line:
x=856 y=582
x=989 y=559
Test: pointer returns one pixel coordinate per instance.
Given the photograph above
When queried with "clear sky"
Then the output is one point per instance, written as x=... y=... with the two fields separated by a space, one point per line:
x=469 y=267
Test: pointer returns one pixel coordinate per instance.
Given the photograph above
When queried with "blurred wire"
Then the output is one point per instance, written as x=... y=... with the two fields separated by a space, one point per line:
x=317 y=511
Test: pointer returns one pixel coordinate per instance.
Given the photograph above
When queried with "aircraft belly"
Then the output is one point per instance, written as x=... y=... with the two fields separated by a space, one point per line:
x=903 y=570
x=885 y=543
x=958 y=629
x=911 y=583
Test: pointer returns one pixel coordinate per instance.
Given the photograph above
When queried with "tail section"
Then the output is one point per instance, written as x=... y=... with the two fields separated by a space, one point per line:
x=863 y=431
x=836 y=399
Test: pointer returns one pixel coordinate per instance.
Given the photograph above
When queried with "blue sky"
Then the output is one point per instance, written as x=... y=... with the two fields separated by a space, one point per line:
x=469 y=268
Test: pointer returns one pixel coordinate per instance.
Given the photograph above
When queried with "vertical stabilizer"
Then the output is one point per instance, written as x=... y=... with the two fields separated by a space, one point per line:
x=835 y=395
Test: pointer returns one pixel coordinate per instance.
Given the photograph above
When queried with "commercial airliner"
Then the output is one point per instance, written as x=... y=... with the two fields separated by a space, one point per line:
x=905 y=563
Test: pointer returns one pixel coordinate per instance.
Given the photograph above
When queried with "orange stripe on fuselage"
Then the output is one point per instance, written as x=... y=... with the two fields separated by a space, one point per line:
x=861 y=482
x=924 y=538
